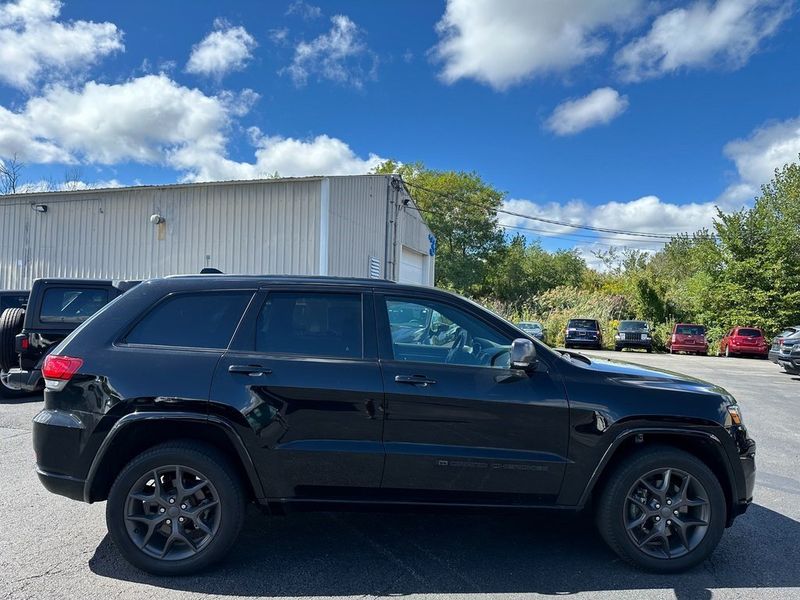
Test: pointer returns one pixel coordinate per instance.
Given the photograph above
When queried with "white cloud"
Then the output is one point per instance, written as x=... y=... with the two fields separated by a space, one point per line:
x=339 y=55
x=225 y=49
x=153 y=120
x=646 y=214
x=504 y=43
x=44 y=185
x=289 y=157
x=756 y=157
x=726 y=33
x=35 y=46
x=599 y=107
x=304 y=9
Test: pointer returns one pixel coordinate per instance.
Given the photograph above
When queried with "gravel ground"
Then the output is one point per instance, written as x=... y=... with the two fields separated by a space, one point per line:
x=51 y=547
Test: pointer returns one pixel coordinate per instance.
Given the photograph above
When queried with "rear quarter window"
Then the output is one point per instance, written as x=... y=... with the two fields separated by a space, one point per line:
x=583 y=324
x=191 y=320
x=71 y=305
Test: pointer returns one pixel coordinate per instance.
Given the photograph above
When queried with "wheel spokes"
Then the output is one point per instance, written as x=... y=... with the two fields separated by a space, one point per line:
x=172 y=512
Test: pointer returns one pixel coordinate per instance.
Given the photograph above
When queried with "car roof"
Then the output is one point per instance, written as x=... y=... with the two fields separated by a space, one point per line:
x=229 y=280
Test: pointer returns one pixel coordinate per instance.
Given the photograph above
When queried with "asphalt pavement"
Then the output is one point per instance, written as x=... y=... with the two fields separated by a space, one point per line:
x=52 y=547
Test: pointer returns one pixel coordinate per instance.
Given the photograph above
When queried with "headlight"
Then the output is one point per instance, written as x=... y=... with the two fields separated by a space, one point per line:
x=618 y=336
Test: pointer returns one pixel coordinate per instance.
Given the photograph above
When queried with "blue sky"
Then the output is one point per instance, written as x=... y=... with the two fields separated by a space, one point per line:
x=615 y=113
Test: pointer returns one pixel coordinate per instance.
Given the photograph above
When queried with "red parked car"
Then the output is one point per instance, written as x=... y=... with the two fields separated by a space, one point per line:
x=744 y=340
x=688 y=337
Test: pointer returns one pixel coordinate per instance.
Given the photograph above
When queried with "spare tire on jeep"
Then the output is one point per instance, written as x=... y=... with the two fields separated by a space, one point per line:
x=10 y=325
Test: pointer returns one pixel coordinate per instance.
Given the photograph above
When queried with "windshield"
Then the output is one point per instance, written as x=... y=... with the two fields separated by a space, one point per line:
x=530 y=326
x=690 y=330
x=750 y=332
x=582 y=324
x=632 y=325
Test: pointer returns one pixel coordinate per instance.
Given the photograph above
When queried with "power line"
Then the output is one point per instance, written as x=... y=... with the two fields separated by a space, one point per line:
x=570 y=237
x=642 y=234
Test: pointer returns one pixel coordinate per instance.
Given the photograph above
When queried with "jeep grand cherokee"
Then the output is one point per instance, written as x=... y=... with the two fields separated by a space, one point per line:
x=187 y=397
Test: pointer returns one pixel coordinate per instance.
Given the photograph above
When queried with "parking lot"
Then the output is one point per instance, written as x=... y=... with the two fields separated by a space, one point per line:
x=54 y=547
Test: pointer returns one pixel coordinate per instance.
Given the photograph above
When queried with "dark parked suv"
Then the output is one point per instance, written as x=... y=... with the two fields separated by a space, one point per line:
x=583 y=333
x=633 y=334
x=187 y=397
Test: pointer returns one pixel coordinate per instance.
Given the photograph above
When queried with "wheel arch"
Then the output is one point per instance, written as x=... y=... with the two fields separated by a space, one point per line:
x=702 y=444
x=136 y=432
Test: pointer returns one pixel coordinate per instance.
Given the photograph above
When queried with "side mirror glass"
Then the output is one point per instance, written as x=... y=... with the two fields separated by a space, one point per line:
x=523 y=354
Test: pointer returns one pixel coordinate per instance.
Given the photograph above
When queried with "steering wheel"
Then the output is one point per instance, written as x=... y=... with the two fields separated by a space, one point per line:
x=458 y=345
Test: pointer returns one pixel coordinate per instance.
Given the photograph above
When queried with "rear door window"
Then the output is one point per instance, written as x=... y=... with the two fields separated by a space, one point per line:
x=744 y=332
x=583 y=324
x=192 y=320
x=71 y=305
x=690 y=330
x=312 y=324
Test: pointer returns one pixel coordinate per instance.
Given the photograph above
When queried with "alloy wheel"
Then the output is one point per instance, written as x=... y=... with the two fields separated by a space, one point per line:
x=667 y=513
x=172 y=512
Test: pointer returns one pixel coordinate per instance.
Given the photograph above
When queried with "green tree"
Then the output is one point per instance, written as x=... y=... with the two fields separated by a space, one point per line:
x=461 y=211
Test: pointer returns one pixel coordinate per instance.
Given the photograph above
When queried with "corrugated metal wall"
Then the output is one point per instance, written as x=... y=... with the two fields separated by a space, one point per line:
x=242 y=227
x=357 y=225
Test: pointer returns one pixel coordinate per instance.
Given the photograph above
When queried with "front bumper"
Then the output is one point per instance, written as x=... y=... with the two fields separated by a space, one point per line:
x=633 y=343
x=790 y=365
x=747 y=463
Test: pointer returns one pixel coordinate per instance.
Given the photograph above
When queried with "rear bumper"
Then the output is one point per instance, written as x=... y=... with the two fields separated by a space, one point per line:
x=754 y=350
x=22 y=379
x=689 y=347
x=582 y=342
x=63 y=485
x=57 y=443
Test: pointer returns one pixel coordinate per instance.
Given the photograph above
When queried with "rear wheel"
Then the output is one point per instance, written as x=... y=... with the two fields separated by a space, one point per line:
x=662 y=510
x=727 y=351
x=176 y=508
x=10 y=325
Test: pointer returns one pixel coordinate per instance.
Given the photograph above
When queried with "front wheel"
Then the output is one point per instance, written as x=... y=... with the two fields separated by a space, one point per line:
x=662 y=510
x=176 y=509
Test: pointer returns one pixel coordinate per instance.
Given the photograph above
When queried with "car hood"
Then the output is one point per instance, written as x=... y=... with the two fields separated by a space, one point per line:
x=631 y=374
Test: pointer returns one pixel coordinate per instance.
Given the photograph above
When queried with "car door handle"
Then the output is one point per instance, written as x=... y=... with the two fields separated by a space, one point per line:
x=252 y=370
x=420 y=380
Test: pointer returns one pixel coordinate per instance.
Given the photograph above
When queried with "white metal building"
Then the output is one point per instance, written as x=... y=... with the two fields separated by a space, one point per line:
x=353 y=226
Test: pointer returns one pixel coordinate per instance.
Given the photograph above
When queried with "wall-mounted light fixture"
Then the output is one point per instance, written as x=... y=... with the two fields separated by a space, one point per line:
x=157 y=219
x=42 y=208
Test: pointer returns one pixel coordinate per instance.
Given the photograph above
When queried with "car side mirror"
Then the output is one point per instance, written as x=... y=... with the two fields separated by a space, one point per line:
x=523 y=354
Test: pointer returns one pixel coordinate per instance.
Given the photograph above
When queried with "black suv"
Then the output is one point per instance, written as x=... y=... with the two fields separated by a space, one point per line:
x=633 y=334
x=54 y=309
x=188 y=397
x=585 y=333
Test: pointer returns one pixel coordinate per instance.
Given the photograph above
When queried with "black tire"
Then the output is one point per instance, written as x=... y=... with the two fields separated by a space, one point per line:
x=227 y=516
x=649 y=350
x=615 y=501
x=10 y=325
x=617 y=349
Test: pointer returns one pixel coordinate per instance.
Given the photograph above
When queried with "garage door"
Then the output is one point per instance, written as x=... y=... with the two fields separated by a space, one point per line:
x=412 y=267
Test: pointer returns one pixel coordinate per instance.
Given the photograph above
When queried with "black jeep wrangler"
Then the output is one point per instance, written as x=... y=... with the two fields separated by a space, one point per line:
x=633 y=334
x=53 y=310
x=190 y=396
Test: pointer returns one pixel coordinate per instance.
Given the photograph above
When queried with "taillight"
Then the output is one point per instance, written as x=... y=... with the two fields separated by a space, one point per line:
x=24 y=343
x=60 y=368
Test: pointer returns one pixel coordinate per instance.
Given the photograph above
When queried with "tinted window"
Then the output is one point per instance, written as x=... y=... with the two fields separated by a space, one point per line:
x=690 y=329
x=632 y=325
x=582 y=324
x=71 y=305
x=201 y=320
x=532 y=326
x=749 y=332
x=448 y=336
x=312 y=324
